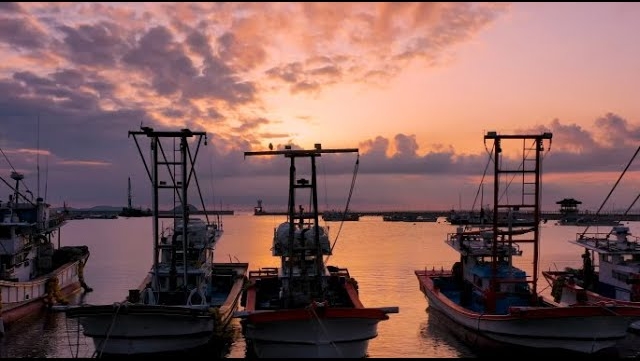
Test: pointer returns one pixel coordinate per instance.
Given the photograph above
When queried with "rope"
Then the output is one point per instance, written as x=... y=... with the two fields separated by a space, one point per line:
x=324 y=329
x=113 y=322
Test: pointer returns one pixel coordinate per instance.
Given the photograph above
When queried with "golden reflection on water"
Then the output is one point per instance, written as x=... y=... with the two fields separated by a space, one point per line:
x=382 y=256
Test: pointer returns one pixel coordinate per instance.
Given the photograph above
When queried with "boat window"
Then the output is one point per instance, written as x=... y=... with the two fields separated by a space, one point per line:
x=5 y=232
x=5 y=260
x=621 y=276
x=191 y=280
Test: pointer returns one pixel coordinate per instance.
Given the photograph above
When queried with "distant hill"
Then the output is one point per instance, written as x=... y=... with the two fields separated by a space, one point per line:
x=104 y=208
x=191 y=208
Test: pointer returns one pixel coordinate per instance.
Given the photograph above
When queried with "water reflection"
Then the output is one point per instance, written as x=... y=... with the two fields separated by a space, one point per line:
x=438 y=341
x=34 y=336
x=382 y=256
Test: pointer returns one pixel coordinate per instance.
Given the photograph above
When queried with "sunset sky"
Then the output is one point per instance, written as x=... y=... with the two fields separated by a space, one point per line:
x=414 y=86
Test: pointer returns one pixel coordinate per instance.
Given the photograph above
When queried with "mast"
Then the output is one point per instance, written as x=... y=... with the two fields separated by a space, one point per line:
x=129 y=192
x=303 y=218
x=176 y=181
x=38 y=156
x=530 y=171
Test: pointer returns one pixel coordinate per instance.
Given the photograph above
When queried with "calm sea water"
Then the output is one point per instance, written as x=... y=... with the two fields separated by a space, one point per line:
x=382 y=256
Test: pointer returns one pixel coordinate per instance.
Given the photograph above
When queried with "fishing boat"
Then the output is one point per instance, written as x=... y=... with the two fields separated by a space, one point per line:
x=610 y=271
x=587 y=221
x=493 y=304
x=305 y=308
x=186 y=298
x=409 y=217
x=469 y=218
x=616 y=254
x=339 y=216
x=34 y=271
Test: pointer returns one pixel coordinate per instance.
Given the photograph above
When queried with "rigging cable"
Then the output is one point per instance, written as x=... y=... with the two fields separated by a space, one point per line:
x=614 y=187
x=192 y=160
x=326 y=197
x=10 y=187
x=346 y=208
x=486 y=167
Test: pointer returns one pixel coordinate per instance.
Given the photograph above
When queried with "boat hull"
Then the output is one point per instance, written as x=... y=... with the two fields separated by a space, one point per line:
x=128 y=329
x=571 y=293
x=310 y=334
x=569 y=329
x=21 y=299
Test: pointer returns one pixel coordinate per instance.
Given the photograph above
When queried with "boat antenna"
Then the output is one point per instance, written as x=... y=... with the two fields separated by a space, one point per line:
x=614 y=187
x=46 y=175
x=38 y=153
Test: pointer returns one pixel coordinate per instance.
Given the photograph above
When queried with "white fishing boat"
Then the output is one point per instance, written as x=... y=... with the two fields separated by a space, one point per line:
x=305 y=308
x=186 y=298
x=610 y=272
x=492 y=304
x=34 y=271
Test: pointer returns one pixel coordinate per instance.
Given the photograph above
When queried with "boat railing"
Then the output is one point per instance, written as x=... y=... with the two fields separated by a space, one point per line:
x=55 y=222
x=341 y=272
x=436 y=271
x=264 y=272
x=607 y=239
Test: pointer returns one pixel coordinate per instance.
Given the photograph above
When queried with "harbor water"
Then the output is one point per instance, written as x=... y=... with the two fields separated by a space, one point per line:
x=382 y=256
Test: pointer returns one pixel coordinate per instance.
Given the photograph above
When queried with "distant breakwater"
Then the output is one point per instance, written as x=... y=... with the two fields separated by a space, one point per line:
x=544 y=215
x=228 y=212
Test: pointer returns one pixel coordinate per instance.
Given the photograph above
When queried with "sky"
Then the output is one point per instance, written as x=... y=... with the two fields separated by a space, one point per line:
x=413 y=86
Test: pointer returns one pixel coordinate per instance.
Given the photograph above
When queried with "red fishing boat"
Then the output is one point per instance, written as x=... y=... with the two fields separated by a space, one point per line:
x=306 y=308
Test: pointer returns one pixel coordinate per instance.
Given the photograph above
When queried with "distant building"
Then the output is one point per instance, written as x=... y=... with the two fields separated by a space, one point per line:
x=568 y=206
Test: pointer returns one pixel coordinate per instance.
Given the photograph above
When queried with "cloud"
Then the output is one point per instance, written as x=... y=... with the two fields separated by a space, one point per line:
x=213 y=63
x=21 y=33
x=97 y=45
x=81 y=75
x=10 y=7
